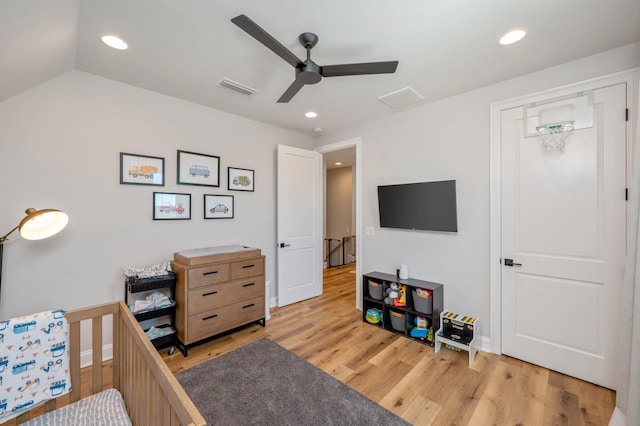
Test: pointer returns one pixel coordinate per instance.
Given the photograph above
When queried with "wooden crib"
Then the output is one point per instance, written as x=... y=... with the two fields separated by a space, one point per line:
x=151 y=393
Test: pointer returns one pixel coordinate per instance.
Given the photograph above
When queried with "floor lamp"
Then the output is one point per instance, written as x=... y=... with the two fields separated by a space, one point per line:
x=36 y=225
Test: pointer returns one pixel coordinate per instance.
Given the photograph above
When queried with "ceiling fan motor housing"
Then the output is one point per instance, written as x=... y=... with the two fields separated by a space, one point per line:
x=309 y=72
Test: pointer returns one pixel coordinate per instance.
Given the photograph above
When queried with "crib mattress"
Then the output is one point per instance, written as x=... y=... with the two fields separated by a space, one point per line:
x=102 y=409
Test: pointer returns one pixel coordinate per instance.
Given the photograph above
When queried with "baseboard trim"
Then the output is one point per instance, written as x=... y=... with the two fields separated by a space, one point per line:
x=86 y=357
x=484 y=344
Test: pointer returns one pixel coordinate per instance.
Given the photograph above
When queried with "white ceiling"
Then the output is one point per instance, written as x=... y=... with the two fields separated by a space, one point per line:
x=184 y=48
x=341 y=158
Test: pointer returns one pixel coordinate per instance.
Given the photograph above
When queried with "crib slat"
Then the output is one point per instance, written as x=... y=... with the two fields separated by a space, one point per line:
x=116 y=364
x=74 y=360
x=96 y=354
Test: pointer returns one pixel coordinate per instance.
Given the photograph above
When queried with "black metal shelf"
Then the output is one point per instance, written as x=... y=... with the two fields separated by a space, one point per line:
x=136 y=285
x=148 y=314
x=165 y=341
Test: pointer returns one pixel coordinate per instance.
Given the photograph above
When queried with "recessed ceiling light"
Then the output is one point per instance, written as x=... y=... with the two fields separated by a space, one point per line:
x=317 y=129
x=311 y=114
x=512 y=37
x=115 y=42
x=338 y=163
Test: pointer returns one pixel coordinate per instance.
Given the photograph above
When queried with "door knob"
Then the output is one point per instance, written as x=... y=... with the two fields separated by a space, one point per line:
x=510 y=262
x=283 y=245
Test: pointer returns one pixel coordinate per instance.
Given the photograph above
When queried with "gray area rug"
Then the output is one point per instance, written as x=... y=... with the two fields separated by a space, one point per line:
x=264 y=384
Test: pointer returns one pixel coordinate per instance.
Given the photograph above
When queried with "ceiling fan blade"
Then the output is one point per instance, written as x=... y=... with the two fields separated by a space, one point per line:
x=255 y=31
x=291 y=91
x=359 y=69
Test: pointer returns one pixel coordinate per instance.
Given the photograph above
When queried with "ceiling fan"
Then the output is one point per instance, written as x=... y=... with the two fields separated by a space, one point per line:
x=308 y=72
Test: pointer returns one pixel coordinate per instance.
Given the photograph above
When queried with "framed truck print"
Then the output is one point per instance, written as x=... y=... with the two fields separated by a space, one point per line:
x=240 y=179
x=218 y=206
x=198 y=169
x=138 y=169
x=171 y=206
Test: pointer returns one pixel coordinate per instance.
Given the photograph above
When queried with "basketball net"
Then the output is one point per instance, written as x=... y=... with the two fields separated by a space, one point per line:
x=554 y=135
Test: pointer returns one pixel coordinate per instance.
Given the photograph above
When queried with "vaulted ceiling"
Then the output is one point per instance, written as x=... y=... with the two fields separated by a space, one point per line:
x=184 y=48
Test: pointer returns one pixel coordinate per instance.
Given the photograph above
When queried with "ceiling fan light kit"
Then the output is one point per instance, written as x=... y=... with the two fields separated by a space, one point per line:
x=308 y=72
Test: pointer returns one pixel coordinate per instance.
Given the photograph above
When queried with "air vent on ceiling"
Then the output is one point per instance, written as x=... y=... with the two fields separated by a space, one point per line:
x=401 y=98
x=238 y=87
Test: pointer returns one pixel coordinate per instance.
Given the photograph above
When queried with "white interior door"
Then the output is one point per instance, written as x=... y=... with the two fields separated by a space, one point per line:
x=563 y=220
x=299 y=224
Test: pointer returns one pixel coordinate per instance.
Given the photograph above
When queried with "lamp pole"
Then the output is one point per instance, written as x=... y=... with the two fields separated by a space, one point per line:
x=1 y=251
x=2 y=240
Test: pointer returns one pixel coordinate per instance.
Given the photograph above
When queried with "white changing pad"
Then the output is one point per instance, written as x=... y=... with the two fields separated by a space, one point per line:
x=208 y=251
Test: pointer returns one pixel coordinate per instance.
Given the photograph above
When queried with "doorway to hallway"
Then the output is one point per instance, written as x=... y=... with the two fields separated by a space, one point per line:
x=342 y=209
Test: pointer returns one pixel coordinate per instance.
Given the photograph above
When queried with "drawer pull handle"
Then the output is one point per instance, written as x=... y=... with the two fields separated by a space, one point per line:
x=248 y=306
x=248 y=266
x=210 y=293
x=248 y=285
x=210 y=273
x=209 y=317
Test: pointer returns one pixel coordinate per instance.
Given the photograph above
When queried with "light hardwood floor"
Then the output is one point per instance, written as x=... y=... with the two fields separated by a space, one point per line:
x=409 y=378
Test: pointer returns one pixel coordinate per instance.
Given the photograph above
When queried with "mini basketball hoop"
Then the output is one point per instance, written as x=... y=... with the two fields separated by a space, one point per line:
x=554 y=135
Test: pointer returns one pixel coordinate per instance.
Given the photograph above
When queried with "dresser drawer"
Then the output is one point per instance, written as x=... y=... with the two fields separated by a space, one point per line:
x=247 y=268
x=214 y=321
x=213 y=296
x=197 y=277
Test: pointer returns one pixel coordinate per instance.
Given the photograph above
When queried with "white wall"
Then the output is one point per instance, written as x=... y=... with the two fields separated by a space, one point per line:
x=339 y=196
x=60 y=145
x=339 y=214
x=450 y=139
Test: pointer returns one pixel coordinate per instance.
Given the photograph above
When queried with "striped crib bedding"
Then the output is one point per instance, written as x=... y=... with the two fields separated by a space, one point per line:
x=105 y=408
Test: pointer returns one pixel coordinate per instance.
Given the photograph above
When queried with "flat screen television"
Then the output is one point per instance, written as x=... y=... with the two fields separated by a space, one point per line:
x=426 y=206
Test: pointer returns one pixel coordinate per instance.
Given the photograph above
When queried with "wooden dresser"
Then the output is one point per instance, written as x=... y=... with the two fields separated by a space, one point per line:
x=218 y=289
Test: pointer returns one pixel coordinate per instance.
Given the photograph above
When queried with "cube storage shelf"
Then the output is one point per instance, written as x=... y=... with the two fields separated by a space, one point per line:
x=136 y=285
x=401 y=320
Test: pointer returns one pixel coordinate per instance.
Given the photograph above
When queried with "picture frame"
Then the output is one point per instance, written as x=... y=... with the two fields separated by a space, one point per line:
x=240 y=179
x=137 y=169
x=171 y=206
x=218 y=206
x=198 y=169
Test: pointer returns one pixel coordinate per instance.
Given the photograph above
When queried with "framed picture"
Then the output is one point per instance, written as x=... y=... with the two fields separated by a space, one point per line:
x=218 y=206
x=138 y=169
x=198 y=169
x=171 y=206
x=240 y=179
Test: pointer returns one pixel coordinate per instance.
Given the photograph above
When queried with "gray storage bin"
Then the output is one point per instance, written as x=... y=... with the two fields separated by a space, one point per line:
x=422 y=304
x=375 y=290
x=397 y=321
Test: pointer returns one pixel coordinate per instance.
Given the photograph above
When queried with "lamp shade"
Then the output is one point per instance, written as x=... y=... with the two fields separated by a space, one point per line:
x=40 y=224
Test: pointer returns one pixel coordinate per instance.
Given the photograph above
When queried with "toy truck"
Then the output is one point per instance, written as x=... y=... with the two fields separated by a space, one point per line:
x=242 y=180
x=146 y=171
